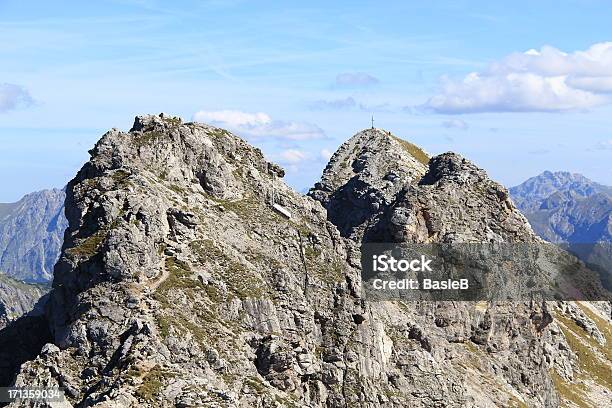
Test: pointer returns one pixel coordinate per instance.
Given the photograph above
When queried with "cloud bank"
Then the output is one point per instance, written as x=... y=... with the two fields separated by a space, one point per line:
x=259 y=125
x=545 y=80
x=13 y=96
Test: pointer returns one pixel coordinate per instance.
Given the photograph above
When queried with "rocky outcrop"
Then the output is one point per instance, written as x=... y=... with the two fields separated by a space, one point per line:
x=31 y=235
x=180 y=284
x=455 y=201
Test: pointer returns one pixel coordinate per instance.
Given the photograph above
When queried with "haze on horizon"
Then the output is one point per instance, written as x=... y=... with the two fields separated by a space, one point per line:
x=507 y=86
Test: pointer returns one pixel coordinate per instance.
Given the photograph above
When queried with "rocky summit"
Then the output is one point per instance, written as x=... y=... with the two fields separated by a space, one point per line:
x=192 y=276
x=363 y=177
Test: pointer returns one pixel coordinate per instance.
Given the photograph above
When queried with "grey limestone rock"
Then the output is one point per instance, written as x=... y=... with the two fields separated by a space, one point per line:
x=180 y=285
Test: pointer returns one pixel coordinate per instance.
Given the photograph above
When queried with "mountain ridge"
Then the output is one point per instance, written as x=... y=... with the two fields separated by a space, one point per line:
x=180 y=285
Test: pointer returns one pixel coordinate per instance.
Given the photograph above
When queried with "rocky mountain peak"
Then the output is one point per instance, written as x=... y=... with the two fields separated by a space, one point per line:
x=451 y=167
x=374 y=156
x=455 y=201
x=364 y=175
x=568 y=208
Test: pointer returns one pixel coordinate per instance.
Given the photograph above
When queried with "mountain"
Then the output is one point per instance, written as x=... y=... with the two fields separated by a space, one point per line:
x=530 y=195
x=17 y=298
x=31 y=235
x=564 y=207
x=364 y=175
x=193 y=276
x=571 y=210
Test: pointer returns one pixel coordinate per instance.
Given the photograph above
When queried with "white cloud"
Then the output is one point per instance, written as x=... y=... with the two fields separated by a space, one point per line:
x=292 y=156
x=233 y=118
x=13 y=97
x=355 y=79
x=259 y=125
x=591 y=84
x=325 y=154
x=455 y=124
x=548 y=80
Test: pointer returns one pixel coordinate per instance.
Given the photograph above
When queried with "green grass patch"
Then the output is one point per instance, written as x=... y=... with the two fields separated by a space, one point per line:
x=589 y=362
x=256 y=384
x=152 y=383
x=89 y=246
x=244 y=208
x=239 y=279
x=513 y=402
x=120 y=177
x=164 y=326
x=568 y=392
x=177 y=189
x=179 y=277
x=414 y=151
x=172 y=121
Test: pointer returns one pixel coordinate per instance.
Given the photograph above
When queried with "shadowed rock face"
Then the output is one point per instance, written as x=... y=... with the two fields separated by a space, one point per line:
x=179 y=285
x=31 y=235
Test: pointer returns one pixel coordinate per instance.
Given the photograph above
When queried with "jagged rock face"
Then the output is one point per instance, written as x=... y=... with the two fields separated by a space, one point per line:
x=17 y=298
x=180 y=285
x=364 y=176
x=31 y=234
x=455 y=201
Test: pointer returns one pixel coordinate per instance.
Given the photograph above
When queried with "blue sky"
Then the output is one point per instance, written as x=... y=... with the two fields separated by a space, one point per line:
x=299 y=78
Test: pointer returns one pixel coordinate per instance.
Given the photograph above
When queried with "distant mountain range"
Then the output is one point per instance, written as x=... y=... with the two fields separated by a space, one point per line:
x=573 y=211
x=31 y=235
x=566 y=207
